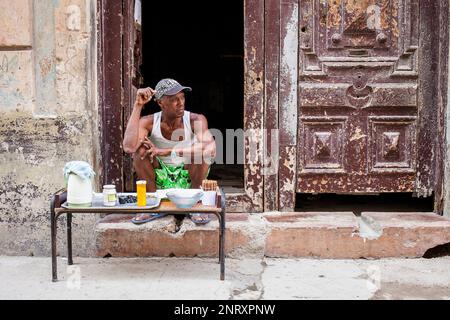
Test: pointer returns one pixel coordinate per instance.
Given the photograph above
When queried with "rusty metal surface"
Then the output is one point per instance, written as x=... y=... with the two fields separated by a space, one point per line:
x=361 y=104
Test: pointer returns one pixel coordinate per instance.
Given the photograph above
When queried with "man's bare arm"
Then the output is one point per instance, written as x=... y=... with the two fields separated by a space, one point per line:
x=137 y=128
x=205 y=145
x=204 y=148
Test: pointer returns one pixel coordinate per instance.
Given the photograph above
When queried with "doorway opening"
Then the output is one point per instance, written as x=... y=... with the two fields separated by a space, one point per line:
x=384 y=202
x=201 y=45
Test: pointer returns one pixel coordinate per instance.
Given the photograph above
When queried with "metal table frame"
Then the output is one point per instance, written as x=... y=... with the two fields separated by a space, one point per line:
x=60 y=197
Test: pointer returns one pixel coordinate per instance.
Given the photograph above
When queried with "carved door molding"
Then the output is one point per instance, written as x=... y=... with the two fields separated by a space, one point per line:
x=367 y=114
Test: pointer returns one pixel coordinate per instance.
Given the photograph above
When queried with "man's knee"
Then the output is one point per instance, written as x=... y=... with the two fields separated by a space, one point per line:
x=195 y=169
x=142 y=161
x=139 y=159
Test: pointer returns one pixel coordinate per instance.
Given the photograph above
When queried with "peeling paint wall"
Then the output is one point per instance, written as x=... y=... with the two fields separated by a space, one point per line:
x=49 y=116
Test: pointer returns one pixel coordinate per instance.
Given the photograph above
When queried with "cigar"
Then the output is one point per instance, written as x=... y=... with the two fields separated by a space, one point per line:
x=209 y=185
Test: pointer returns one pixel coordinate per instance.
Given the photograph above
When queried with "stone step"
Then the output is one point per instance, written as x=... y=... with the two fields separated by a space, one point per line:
x=334 y=235
x=116 y=236
x=342 y=235
x=406 y=234
x=312 y=234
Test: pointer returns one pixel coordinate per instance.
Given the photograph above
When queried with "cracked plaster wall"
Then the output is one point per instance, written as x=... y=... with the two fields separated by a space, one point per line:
x=49 y=116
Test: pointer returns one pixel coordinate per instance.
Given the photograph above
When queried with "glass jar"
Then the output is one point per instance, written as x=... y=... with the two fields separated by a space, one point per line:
x=109 y=195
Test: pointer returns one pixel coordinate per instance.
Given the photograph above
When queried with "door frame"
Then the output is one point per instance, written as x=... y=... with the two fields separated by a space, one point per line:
x=114 y=90
x=442 y=39
x=267 y=104
x=110 y=90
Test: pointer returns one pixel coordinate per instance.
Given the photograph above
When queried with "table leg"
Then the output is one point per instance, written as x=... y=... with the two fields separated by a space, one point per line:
x=219 y=218
x=53 y=240
x=222 y=247
x=69 y=239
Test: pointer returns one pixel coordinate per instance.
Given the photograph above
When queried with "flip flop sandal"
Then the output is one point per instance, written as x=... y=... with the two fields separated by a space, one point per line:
x=152 y=216
x=199 y=218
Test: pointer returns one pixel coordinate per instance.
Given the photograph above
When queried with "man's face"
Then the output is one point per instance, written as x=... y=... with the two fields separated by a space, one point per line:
x=173 y=106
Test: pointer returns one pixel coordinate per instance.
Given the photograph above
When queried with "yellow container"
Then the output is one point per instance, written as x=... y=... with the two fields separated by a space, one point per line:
x=141 y=187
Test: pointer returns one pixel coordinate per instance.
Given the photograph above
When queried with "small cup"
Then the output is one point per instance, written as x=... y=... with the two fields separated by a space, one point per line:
x=209 y=198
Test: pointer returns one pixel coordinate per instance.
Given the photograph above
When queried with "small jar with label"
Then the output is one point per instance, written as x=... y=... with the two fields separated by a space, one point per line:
x=109 y=195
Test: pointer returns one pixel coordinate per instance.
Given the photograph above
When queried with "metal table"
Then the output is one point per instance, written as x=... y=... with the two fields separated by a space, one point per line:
x=60 y=197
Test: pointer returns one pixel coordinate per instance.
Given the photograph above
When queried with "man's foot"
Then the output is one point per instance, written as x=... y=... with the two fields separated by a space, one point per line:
x=146 y=217
x=200 y=218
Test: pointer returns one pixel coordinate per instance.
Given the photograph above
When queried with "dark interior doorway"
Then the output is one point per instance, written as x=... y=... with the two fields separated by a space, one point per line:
x=386 y=202
x=201 y=45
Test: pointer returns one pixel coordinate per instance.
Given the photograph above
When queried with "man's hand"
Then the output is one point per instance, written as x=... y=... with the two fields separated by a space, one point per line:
x=152 y=150
x=144 y=96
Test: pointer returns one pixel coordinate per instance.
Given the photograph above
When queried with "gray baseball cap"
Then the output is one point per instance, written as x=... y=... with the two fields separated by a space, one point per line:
x=169 y=87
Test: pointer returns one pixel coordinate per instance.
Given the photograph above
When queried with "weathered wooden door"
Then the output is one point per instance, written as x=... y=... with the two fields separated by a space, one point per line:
x=367 y=113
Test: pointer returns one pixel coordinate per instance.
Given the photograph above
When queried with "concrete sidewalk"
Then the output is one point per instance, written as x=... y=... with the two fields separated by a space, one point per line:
x=195 y=278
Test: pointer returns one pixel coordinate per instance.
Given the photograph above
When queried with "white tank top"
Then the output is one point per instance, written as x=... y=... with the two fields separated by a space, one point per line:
x=160 y=142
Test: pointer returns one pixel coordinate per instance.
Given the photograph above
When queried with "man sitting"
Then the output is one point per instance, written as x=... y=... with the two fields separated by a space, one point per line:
x=172 y=141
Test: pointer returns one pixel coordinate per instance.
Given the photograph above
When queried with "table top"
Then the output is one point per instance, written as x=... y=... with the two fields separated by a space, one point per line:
x=164 y=207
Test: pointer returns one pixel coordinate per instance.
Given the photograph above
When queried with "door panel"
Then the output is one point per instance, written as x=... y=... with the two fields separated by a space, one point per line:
x=358 y=96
